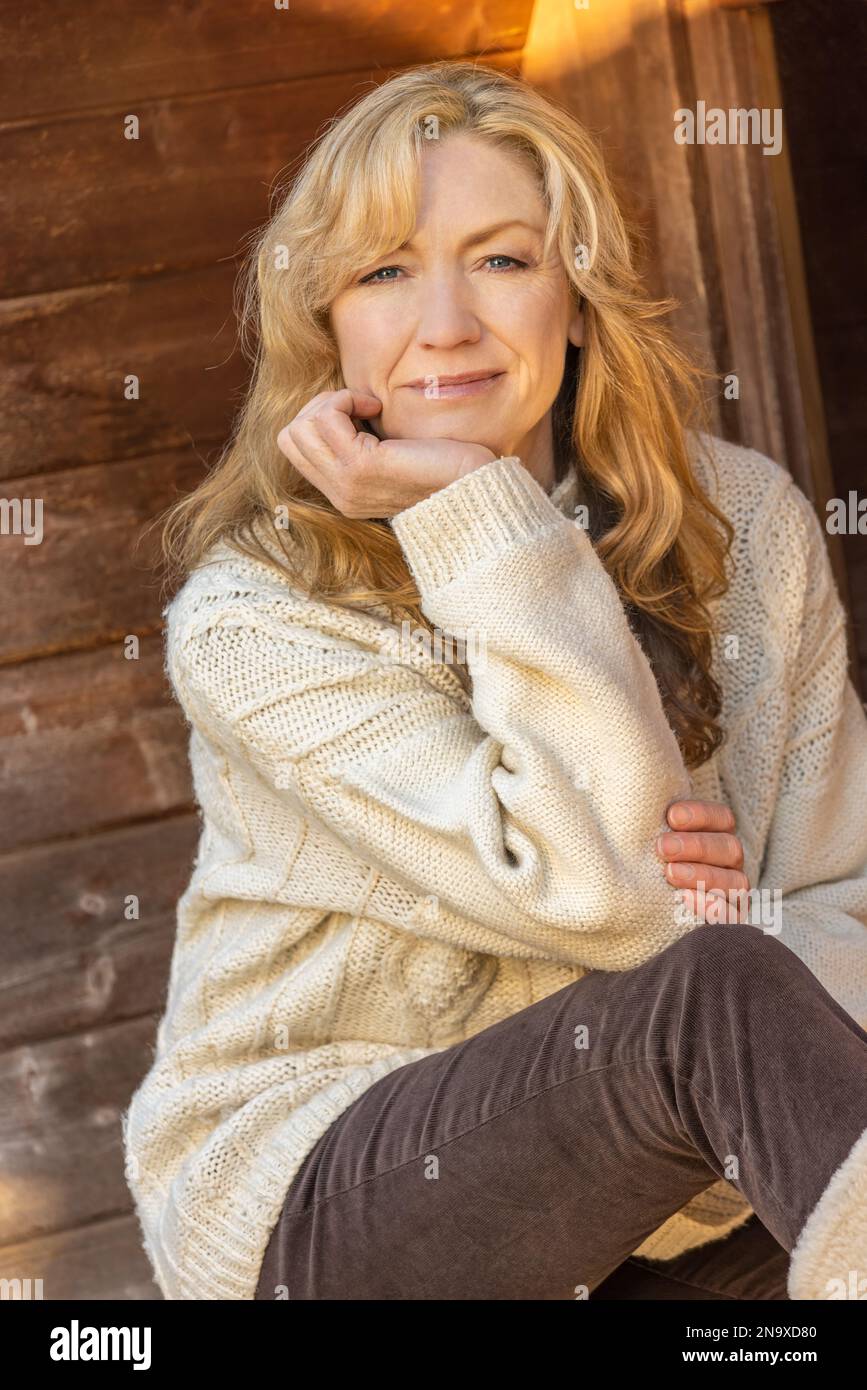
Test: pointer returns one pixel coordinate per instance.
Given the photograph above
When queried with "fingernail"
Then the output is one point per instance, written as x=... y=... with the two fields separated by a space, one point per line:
x=684 y=872
x=681 y=815
x=669 y=844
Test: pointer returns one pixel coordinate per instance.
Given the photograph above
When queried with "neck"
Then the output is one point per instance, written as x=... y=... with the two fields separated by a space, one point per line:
x=536 y=452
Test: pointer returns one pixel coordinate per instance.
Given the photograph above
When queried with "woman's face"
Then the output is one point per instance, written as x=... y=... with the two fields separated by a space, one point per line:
x=469 y=293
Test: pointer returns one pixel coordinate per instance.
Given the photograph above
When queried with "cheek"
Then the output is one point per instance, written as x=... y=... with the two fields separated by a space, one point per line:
x=541 y=364
x=369 y=345
x=531 y=324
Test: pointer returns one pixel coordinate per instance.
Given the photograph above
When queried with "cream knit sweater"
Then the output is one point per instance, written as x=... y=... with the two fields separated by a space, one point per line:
x=389 y=864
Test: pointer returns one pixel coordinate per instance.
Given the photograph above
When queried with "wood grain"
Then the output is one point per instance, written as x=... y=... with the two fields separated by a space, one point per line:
x=191 y=190
x=89 y=740
x=96 y=574
x=107 y=53
x=64 y=359
x=73 y=957
x=60 y=1133
x=99 y=1262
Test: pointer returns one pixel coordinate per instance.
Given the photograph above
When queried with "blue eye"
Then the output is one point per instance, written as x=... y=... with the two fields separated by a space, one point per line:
x=371 y=279
x=513 y=259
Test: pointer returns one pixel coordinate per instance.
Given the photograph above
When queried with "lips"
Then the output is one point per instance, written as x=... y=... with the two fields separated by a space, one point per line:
x=466 y=386
x=457 y=380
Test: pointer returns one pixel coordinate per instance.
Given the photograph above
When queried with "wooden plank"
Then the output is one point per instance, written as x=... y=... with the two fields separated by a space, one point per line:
x=95 y=575
x=619 y=72
x=61 y=1151
x=89 y=740
x=105 y=53
x=803 y=379
x=189 y=191
x=96 y=1263
x=736 y=225
x=72 y=958
x=64 y=359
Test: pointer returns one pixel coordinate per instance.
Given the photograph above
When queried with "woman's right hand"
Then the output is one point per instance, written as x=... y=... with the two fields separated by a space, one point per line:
x=363 y=476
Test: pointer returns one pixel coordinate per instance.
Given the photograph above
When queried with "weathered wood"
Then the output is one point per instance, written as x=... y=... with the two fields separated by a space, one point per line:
x=103 y=53
x=620 y=72
x=61 y=1151
x=64 y=359
x=745 y=221
x=72 y=957
x=96 y=573
x=100 y=1262
x=89 y=740
x=191 y=190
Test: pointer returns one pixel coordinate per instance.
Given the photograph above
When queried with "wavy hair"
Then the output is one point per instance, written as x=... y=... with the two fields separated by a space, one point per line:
x=622 y=417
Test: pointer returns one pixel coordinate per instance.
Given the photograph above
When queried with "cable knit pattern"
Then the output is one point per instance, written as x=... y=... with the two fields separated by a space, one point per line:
x=389 y=863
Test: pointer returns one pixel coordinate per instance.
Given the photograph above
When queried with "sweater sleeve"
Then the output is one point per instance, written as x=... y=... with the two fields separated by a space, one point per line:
x=532 y=816
x=815 y=861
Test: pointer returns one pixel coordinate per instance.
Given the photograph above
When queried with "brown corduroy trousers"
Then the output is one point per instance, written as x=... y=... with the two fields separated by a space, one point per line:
x=532 y=1159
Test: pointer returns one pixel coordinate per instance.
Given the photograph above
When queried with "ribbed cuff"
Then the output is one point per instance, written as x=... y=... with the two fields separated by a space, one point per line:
x=476 y=517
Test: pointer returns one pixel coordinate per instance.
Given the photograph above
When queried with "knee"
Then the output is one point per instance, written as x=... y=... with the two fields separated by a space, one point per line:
x=736 y=950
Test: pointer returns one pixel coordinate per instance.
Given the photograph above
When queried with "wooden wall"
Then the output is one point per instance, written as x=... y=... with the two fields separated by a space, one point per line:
x=121 y=261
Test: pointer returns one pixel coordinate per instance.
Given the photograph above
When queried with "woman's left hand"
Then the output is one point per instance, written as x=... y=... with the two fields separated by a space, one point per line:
x=702 y=848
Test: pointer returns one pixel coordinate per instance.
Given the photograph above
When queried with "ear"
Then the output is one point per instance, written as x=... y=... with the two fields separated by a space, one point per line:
x=576 y=327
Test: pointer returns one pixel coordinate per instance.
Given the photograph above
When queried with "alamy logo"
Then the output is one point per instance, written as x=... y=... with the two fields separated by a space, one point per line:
x=21 y=1289
x=76 y=1343
x=736 y=126
x=852 y=1287
x=469 y=647
x=22 y=516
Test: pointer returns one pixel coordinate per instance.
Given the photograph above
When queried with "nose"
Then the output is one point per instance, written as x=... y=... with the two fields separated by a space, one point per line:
x=445 y=313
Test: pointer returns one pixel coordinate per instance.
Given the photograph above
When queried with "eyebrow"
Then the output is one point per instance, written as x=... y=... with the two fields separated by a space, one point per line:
x=486 y=233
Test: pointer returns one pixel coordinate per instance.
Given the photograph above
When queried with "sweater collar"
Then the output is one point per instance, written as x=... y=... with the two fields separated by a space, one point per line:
x=566 y=494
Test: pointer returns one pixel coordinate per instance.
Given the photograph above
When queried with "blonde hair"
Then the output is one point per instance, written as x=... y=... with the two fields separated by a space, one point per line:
x=622 y=415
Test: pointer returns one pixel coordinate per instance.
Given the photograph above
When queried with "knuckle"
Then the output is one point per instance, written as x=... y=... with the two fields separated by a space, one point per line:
x=289 y=448
x=305 y=425
x=331 y=402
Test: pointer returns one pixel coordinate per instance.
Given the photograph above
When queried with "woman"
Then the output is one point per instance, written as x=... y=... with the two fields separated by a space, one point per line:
x=446 y=1017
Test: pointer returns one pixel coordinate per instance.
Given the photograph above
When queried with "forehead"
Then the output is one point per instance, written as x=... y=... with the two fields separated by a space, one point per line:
x=469 y=179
